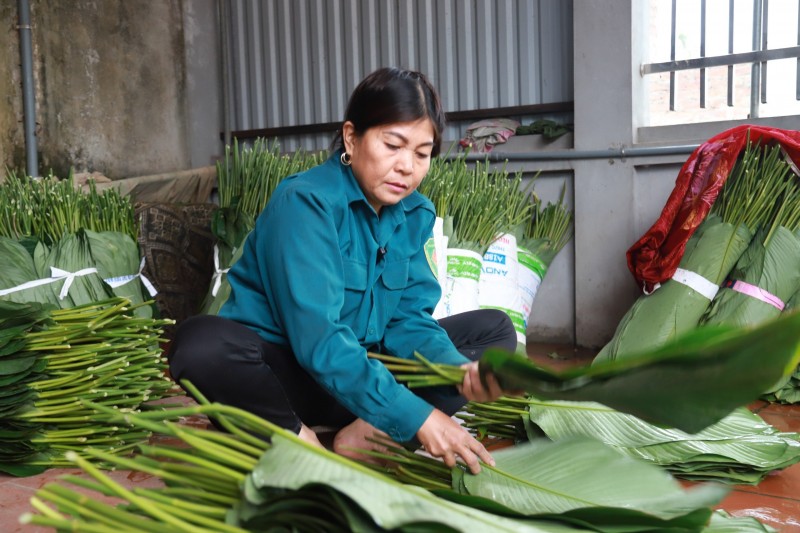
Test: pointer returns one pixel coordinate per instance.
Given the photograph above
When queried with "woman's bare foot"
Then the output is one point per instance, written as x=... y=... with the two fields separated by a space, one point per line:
x=354 y=437
x=309 y=436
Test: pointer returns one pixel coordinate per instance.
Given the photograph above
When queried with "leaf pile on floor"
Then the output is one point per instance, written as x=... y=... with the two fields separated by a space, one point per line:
x=257 y=477
x=52 y=359
x=741 y=448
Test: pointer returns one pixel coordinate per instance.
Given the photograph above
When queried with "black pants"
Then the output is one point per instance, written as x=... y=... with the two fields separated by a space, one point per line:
x=230 y=364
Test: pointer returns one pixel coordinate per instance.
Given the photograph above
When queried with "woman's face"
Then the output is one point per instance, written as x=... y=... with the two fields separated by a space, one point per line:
x=389 y=161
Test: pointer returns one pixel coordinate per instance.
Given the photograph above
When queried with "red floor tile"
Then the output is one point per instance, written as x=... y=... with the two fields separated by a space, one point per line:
x=789 y=411
x=780 y=420
x=780 y=513
x=15 y=494
x=784 y=484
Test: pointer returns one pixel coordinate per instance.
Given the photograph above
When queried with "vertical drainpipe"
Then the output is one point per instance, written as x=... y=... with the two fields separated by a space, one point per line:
x=28 y=100
x=225 y=54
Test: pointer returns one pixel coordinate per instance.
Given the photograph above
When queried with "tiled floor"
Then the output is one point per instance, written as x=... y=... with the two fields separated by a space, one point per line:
x=775 y=501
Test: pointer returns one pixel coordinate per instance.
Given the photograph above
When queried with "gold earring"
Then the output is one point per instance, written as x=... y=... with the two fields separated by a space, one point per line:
x=346 y=159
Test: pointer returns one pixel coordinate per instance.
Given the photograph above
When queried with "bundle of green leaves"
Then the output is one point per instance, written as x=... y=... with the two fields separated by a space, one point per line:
x=51 y=360
x=46 y=209
x=745 y=204
x=740 y=448
x=63 y=228
x=75 y=270
x=689 y=383
x=477 y=203
x=258 y=477
x=246 y=178
x=549 y=230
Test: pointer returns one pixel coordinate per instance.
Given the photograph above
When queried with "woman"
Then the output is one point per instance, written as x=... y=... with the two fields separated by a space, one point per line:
x=336 y=267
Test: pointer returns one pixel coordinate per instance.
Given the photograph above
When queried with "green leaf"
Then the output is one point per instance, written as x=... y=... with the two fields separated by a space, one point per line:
x=16 y=365
x=675 y=308
x=689 y=383
x=548 y=477
x=21 y=470
x=116 y=255
x=740 y=448
x=290 y=464
x=723 y=522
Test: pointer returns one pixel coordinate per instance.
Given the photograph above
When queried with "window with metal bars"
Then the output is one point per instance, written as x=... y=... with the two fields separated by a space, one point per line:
x=722 y=60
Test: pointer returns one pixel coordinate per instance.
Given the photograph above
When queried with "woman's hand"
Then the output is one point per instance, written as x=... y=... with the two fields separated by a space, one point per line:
x=444 y=438
x=473 y=389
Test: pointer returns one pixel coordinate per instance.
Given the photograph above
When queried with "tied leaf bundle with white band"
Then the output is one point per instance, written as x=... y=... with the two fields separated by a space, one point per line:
x=708 y=289
x=119 y=281
x=681 y=302
x=217 y=277
x=766 y=276
x=57 y=274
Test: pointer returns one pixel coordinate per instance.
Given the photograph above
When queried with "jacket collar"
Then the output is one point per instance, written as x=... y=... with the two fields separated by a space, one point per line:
x=353 y=193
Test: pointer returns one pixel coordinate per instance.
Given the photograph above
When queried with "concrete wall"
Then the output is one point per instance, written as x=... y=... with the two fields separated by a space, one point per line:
x=116 y=84
x=11 y=129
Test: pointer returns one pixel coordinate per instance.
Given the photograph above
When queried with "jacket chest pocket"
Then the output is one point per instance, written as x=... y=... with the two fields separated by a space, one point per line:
x=355 y=276
x=394 y=281
x=355 y=288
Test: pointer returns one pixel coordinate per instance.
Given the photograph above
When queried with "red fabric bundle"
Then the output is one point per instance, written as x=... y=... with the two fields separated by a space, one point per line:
x=656 y=255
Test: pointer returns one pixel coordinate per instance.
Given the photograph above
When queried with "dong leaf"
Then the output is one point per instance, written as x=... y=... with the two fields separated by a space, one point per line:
x=690 y=383
x=542 y=477
x=740 y=448
x=290 y=464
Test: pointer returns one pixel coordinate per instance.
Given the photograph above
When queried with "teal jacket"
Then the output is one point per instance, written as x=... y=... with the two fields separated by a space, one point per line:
x=322 y=273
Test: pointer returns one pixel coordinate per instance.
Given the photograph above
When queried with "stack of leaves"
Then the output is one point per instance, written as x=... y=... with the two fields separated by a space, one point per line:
x=565 y=482
x=768 y=272
x=259 y=477
x=745 y=204
x=246 y=178
x=740 y=448
x=53 y=359
x=80 y=268
x=689 y=383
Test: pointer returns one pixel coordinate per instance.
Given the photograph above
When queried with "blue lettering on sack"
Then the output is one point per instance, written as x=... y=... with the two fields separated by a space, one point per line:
x=494 y=271
x=492 y=257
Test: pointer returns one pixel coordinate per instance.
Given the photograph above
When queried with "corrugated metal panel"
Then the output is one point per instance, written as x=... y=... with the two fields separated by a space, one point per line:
x=295 y=62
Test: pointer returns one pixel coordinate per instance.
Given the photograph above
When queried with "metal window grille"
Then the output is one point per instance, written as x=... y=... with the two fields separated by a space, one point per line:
x=759 y=57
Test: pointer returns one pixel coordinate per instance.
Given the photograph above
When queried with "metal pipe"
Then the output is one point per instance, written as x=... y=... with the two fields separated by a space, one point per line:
x=568 y=155
x=28 y=98
x=755 y=75
x=225 y=56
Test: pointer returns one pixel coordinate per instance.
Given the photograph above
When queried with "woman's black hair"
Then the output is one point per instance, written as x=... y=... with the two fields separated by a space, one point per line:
x=390 y=95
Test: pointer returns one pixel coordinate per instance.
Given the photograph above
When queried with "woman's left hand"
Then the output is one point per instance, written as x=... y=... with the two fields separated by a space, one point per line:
x=473 y=389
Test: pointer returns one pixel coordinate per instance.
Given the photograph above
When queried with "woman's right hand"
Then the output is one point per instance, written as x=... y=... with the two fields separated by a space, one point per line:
x=444 y=438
